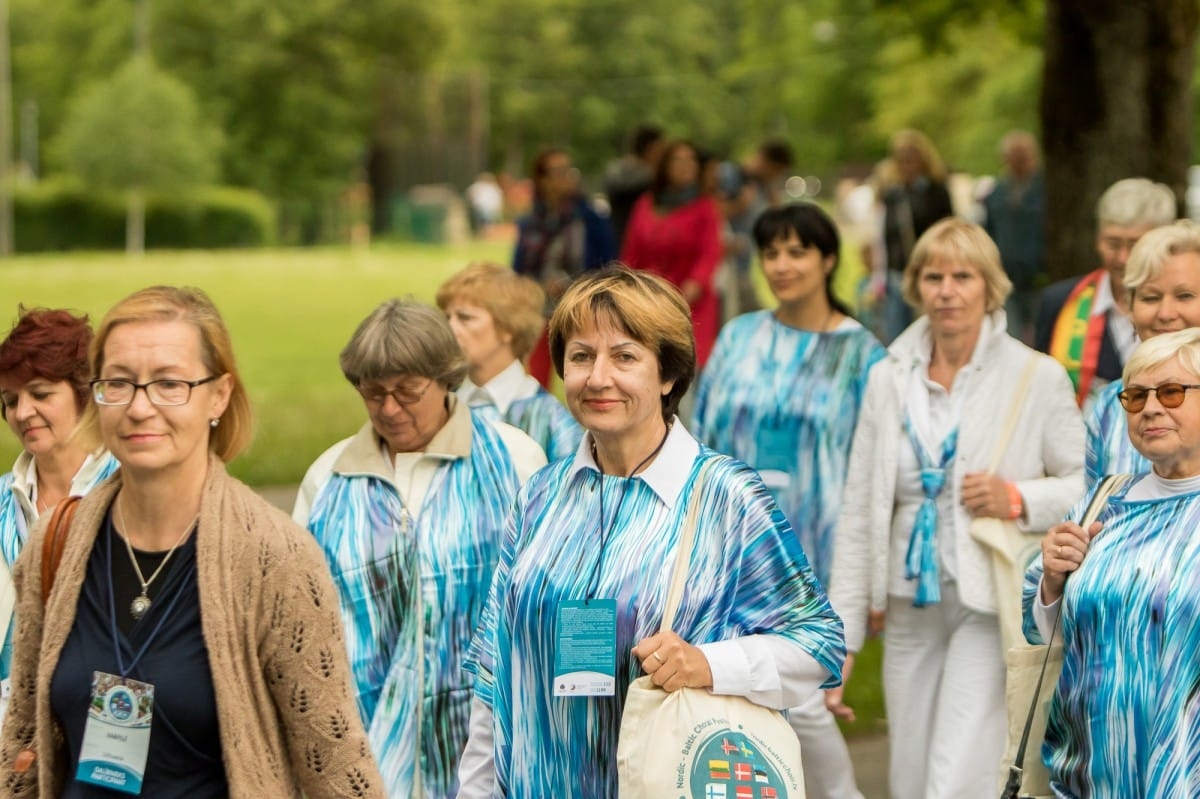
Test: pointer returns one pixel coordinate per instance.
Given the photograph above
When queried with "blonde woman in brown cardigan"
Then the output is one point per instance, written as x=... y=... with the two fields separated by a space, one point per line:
x=175 y=574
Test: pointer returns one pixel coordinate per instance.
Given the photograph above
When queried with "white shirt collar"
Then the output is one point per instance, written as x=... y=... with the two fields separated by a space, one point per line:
x=503 y=390
x=666 y=475
x=1104 y=300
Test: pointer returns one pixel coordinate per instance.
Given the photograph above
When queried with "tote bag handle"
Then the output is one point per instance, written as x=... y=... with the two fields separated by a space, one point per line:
x=683 y=557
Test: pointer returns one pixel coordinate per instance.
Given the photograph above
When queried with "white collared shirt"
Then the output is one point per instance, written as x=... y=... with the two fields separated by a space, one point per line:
x=512 y=384
x=1120 y=326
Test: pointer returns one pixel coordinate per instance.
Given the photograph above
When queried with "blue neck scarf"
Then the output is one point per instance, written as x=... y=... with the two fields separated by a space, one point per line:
x=921 y=562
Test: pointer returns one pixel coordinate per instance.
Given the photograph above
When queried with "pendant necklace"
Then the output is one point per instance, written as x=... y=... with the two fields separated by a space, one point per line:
x=141 y=603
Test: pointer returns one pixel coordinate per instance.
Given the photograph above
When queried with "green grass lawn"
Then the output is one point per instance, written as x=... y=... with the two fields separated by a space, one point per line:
x=289 y=311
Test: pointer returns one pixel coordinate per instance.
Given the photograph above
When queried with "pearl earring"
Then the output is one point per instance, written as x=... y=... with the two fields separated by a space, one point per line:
x=214 y=422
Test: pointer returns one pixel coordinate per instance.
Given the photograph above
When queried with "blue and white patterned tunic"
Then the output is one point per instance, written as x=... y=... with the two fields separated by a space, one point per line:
x=410 y=583
x=786 y=402
x=18 y=514
x=1109 y=450
x=1125 y=718
x=748 y=576
x=546 y=421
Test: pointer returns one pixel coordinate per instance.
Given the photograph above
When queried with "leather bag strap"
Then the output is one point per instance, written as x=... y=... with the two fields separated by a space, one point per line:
x=55 y=542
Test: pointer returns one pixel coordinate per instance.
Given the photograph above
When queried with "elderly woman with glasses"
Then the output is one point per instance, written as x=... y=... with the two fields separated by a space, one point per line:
x=1123 y=718
x=187 y=643
x=410 y=514
x=1162 y=280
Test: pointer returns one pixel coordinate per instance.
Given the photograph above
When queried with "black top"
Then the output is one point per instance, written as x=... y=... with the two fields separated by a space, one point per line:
x=185 y=747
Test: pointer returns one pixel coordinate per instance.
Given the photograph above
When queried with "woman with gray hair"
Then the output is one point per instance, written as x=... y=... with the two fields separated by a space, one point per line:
x=1162 y=280
x=410 y=513
x=1122 y=721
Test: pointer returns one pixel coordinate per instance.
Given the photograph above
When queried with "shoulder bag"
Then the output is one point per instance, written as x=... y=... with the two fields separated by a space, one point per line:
x=692 y=744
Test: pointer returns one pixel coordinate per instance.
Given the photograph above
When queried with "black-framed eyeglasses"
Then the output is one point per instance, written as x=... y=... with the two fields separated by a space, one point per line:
x=377 y=396
x=1170 y=395
x=160 y=392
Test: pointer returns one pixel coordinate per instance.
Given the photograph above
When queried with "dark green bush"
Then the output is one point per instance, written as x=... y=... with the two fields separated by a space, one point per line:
x=63 y=215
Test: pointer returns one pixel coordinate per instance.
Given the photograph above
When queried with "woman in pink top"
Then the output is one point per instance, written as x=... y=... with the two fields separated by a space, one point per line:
x=675 y=232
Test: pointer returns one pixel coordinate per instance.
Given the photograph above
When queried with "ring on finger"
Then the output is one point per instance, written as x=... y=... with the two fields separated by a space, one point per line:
x=1059 y=550
x=658 y=657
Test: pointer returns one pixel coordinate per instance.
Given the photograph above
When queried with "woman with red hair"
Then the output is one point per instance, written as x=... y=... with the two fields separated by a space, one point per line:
x=43 y=391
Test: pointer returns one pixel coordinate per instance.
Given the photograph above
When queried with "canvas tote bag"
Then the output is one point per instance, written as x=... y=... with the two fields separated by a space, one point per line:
x=690 y=744
x=1033 y=673
x=1011 y=550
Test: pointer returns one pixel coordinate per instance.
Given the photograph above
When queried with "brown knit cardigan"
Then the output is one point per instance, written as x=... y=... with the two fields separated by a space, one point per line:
x=287 y=716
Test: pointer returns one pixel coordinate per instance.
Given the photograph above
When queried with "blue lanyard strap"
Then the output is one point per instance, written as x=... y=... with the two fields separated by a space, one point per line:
x=921 y=560
x=122 y=669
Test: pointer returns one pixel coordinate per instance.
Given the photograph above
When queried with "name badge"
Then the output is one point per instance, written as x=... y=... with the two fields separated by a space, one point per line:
x=116 y=740
x=777 y=446
x=585 y=650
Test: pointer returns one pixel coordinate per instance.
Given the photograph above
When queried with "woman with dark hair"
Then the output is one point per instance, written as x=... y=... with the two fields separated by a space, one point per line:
x=43 y=391
x=560 y=238
x=782 y=393
x=675 y=233
x=604 y=526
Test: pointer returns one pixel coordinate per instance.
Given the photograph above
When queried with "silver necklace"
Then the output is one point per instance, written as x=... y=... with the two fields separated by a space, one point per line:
x=141 y=603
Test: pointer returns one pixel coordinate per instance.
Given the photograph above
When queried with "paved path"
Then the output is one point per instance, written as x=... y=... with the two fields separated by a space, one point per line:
x=870 y=753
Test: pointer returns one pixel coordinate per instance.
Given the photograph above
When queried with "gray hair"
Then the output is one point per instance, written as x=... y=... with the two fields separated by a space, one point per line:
x=1148 y=256
x=404 y=338
x=1154 y=352
x=1134 y=202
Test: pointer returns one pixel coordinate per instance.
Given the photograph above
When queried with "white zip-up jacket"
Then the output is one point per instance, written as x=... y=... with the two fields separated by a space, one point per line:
x=1044 y=458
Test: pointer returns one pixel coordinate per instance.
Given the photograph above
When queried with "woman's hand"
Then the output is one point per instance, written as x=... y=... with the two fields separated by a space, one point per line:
x=1063 y=549
x=876 y=622
x=834 y=696
x=673 y=663
x=986 y=494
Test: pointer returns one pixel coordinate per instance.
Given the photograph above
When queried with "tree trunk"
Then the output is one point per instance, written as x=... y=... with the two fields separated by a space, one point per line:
x=1116 y=103
x=135 y=222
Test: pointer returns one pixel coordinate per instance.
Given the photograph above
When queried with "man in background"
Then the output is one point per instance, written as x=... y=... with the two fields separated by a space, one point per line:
x=1015 y=218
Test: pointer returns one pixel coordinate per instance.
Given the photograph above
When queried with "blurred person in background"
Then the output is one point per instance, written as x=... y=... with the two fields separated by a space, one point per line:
x=675 y=233
x=916 y=199
x=768 y=170
x=410 y=513
x=181 y=595
x=1083 y=322
x=927 y=431
x=630 y=176
x=1162 y=281
x=559 y=239
x=781 y=393
x=43 y=390
x=486 y=201
x=1015 y=218
x=496 y=316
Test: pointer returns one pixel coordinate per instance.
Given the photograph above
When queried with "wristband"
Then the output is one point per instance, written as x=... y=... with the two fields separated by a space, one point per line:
x=1016 y=505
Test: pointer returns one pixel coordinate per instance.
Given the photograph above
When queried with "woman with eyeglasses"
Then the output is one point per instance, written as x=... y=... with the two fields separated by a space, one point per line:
x=43 y=391
x=410 y=513
x=189 y=643
x=1123 y=718
x=921 y=465
x=1162 y=280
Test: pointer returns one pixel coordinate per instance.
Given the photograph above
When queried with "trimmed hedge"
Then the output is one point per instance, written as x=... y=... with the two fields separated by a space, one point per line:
x=62 y=215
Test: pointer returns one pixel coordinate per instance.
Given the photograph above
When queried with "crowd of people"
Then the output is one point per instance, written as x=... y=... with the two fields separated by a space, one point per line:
x=402 y=633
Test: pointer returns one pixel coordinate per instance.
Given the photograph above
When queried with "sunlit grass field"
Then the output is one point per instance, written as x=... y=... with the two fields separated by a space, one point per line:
x=289 y=311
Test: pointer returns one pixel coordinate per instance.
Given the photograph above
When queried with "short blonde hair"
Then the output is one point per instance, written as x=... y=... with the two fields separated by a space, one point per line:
x=191 y=305
x=1152 y=250
x=957 y=239
x=403 y=338
x=643 y=305
x=514 y=301
x=1154 y=352
x=933 y=166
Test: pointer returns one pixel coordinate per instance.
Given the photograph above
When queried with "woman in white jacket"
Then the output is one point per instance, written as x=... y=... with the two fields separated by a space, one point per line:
x=929 y=427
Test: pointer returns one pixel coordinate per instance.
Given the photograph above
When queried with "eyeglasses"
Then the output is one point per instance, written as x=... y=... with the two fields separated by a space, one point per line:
x=1170 y=395
x=377 y=396
x=164 y=393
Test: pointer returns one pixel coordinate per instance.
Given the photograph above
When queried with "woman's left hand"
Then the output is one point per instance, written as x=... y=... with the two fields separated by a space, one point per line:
x=673 y=663
x=986 y=494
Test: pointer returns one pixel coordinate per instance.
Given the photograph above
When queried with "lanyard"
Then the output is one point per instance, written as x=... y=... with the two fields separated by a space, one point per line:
x=605 y=530
x=122 y=669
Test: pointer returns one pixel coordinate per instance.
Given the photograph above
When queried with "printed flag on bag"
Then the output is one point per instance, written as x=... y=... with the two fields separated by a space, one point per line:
x=744 y=792
x=741 y=772
x=767 y=793
x=715 y=791
x=718 y=769
x=715 y=776
x=760 y=775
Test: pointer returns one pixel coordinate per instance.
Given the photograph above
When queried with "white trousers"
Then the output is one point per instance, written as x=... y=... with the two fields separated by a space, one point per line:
x=828 y=772
x=943 y=682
